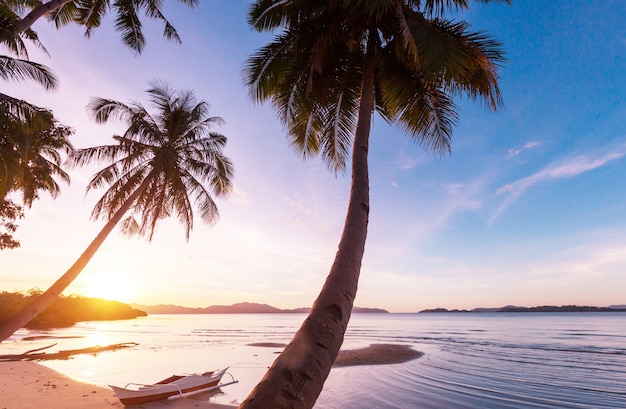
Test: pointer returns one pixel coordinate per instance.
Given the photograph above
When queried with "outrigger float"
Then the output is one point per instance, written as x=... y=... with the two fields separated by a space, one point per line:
x=176 y=386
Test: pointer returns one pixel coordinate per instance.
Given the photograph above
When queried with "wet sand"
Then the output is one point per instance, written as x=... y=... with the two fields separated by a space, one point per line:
x=375 y=354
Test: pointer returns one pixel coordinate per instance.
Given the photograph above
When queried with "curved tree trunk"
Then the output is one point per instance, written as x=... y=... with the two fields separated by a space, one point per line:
x=23 y=317
x=37 y=13
x=297 y=376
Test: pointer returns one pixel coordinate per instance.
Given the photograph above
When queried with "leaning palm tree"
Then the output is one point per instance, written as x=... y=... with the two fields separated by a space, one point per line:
x=89 y=14
x=336 y=63
x=157 y=167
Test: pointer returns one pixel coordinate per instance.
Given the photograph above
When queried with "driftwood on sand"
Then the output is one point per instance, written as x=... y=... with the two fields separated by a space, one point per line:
x=37 y=355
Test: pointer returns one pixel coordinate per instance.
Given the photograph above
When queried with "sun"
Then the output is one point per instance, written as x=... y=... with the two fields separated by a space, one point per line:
x=114 y=287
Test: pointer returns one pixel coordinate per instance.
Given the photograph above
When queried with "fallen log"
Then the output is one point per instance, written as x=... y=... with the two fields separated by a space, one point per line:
x=36 y=355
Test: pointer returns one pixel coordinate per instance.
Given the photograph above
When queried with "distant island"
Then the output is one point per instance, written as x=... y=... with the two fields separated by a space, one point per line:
x=239 y=308
x=544 y=308
x=66 y=311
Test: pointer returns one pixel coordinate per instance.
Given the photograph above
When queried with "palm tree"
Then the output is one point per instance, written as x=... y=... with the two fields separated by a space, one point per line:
x=31 y=145
x=31 y=140
x=158 y=165
x=89 y=13
x=335 y=63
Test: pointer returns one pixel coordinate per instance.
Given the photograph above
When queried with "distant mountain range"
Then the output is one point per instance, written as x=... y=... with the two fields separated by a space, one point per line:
x=544 y=308
x=240 y=308
x=253 y=308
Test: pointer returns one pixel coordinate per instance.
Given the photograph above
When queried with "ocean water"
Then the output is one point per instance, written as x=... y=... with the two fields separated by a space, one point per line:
x=503 y=360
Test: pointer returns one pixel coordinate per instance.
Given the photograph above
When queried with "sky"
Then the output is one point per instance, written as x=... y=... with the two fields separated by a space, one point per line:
x=528 y=209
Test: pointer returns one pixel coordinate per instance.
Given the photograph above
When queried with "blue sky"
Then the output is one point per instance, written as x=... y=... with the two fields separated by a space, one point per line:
x=529 y=209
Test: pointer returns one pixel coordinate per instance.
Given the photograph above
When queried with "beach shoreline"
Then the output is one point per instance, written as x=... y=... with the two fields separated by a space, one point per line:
x=28 y=385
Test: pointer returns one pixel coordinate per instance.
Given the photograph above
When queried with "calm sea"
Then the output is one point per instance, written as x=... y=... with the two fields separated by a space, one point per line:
x=518 y=360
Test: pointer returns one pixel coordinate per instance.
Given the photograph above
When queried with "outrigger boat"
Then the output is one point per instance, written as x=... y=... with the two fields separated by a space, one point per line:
x=176 y=386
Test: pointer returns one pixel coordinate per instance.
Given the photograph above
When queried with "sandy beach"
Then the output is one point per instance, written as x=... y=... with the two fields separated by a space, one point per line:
x=27 y=385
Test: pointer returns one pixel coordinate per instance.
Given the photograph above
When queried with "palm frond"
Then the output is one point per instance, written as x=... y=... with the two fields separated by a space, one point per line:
x=340 y=125
x=129 y=226
x=17 y=70
x=88 y=13
x=127 y=22
x=67 y=13
x=108 y=153
x=153 y=10
x=102 y=109
x=265 y=68
x=438 y=8
x=467 y=62
x=23 y=111
x=418 y=104
x=8 y=36
x=267 y=15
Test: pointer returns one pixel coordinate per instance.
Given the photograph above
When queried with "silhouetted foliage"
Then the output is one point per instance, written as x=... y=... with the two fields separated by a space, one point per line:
x=9 y=214
x=66 y=311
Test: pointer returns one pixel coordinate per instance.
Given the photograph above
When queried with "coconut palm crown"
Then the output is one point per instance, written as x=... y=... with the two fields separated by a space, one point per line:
x=335 y=63
x=173 y=156
x=32 y=144
x=312 y=72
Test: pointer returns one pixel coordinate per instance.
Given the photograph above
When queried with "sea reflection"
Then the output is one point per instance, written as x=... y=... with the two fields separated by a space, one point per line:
x=471 y=360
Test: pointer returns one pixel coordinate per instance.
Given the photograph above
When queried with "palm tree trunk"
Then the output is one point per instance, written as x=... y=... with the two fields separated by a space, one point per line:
x=297 y=377
x=38 y=12
x=23 y=317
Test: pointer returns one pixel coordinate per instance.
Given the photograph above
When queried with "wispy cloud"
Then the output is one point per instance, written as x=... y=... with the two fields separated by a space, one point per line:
x=440 y=205
x=513 y=152
x=407 y=163
x=410 y=163
x=295 y=203
x=566 y=168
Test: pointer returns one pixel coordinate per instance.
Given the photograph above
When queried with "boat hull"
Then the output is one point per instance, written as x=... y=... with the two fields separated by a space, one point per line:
x=164 y=390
